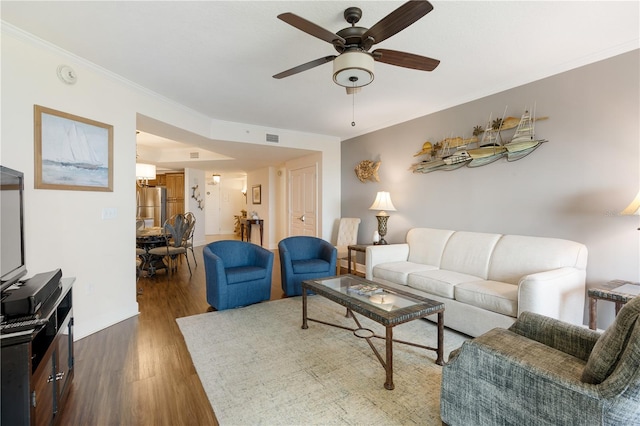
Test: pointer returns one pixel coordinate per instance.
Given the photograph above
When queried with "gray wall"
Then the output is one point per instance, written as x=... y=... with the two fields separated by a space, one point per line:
x=571 y=187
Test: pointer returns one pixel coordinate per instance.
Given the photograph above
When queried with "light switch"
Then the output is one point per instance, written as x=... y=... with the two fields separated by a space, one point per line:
x=109 y=213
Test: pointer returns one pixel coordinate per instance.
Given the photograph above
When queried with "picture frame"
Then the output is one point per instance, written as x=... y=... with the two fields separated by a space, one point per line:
x=256 y=194
x=72 y=152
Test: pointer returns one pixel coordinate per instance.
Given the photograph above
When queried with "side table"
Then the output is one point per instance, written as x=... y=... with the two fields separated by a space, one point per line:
x=617 y=291
x=362 y=248
x=245 y=224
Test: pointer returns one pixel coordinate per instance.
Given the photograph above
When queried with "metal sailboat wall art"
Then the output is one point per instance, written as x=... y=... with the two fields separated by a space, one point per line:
x=490 y=148
x=524 y=140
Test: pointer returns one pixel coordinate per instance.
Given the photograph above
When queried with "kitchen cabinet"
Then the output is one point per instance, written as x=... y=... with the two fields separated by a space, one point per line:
x=175 y=193
x=160 y=180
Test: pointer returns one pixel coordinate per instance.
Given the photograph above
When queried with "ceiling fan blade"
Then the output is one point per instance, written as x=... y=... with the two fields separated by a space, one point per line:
x=406 y=60
x=304 y=67
x=398 y=20
x=311 y=28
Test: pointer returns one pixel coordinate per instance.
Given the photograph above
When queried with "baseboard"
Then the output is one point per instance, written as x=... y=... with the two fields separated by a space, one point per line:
x=80 y=333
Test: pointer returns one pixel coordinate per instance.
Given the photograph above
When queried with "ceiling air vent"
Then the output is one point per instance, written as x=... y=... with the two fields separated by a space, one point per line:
x=273 y=138
x=193 y=155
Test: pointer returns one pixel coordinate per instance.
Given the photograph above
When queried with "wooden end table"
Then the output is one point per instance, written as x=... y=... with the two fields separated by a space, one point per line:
x=617 y=291
x=246 y=223
x=362 y=248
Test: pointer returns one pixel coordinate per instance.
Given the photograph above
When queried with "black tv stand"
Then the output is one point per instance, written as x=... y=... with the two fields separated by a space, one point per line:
x=37 y=365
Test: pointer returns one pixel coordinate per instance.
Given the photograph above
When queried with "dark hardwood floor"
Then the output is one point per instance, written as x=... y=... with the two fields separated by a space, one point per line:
x=139 y=372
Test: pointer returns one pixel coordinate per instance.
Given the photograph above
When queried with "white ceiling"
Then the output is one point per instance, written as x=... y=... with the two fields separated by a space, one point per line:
x=218 y=57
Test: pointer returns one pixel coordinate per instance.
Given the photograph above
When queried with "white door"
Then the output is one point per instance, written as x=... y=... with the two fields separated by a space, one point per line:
x=303 y=202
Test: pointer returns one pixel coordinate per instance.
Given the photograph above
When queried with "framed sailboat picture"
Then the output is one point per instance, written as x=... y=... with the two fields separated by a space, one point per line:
x=72 y=152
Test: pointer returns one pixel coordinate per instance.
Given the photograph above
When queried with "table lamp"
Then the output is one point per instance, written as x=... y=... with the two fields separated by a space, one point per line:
x=382 y=203
x=633 y=208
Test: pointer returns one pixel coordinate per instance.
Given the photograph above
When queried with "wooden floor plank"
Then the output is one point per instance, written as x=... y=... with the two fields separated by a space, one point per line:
x=139 y=371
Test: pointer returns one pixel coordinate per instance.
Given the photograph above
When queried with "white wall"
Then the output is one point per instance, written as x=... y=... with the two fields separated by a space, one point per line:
x=571 y=187
x=222 y=202
x=193 y=177
x=64 y=228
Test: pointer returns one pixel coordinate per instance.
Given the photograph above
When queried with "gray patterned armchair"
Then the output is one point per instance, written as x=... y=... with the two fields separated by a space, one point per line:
x=542 y=371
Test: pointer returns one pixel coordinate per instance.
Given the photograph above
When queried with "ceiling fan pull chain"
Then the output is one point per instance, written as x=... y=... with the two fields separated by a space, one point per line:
x=353 y=110
x=353 y=102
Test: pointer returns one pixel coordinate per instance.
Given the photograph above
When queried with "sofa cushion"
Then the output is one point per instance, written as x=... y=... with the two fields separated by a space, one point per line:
x=493 y=296
x=398 y=272
x=516 y=256
x=469 y=253
x=438 y=282
x=606 y=352
x=427 y=244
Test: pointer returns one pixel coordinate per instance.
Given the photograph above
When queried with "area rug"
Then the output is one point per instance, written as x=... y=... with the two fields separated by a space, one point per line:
x=258 y=366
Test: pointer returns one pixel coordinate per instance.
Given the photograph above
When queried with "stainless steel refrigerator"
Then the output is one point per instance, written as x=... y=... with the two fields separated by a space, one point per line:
x=151 y=205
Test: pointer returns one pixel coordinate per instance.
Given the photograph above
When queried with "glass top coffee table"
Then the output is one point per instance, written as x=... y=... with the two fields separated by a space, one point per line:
x=380 y=303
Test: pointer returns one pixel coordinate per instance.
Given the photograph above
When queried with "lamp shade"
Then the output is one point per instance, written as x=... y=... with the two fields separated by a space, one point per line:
x=353 y=69
x=145 y=171
x=215 y=178
x=633 y=208
x=382 y=202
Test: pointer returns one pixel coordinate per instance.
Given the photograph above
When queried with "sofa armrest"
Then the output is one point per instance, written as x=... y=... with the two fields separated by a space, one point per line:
x=215 y=278
x=568 y=338
x=558 y=293
x=285 y=260
x=329 y=253
x=264 y=259
x=384 y=253
x=215 y=267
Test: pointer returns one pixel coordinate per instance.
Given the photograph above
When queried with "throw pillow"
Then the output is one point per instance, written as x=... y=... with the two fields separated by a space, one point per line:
x=607 y=351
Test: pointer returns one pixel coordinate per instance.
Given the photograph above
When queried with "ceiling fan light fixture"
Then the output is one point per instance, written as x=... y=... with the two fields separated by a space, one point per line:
x=353 y=69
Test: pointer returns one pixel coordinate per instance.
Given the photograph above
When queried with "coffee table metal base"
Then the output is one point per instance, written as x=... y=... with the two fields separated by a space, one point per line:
x=388 y=363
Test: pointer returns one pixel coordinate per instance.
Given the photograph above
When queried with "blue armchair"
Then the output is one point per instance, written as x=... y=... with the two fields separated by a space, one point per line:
x=237 y=273
x=304 y=258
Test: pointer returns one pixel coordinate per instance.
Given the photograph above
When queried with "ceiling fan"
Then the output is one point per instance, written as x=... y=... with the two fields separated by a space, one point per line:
x=353 y=66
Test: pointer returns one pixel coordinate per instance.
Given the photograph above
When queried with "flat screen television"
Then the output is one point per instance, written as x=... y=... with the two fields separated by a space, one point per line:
x=12 y=260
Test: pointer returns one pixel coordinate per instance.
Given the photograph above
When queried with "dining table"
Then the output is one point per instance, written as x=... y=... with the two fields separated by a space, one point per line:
x=146 y=239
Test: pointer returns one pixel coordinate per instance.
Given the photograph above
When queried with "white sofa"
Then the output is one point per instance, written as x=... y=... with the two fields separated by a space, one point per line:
x=485 y=280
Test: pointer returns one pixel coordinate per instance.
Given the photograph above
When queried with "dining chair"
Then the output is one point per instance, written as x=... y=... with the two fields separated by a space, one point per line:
x=347 y=235
x=141 y=260
x=176 y=234
x=191 y=218
x=141 y=254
